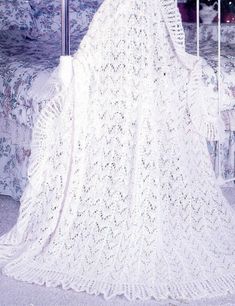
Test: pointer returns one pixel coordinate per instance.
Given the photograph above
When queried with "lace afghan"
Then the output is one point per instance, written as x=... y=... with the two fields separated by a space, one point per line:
x=122 y=197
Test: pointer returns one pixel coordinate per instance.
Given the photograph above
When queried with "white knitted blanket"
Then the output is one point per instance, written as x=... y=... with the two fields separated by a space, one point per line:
x=122 y=197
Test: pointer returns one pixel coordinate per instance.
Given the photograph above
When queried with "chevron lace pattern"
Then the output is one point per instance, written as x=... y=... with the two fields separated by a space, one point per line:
x=122 y=197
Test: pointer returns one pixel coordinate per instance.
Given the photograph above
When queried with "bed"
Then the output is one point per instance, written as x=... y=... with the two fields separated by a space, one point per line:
x=33 y=48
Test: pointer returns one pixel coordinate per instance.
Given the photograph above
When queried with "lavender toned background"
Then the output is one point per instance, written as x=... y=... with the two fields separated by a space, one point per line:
x=30 y=48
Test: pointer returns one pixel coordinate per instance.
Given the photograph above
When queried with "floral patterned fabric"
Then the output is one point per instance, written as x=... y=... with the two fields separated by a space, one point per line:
x=48 y=18
x=22 y=61
x=16 y=14
x=210 y=32
x=27 y=57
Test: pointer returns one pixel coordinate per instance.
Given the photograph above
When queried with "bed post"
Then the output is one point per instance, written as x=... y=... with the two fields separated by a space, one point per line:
x=66 y=60
x=65 y=31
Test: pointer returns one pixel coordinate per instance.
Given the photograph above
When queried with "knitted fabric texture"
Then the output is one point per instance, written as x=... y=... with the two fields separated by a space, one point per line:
x=122 y=197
